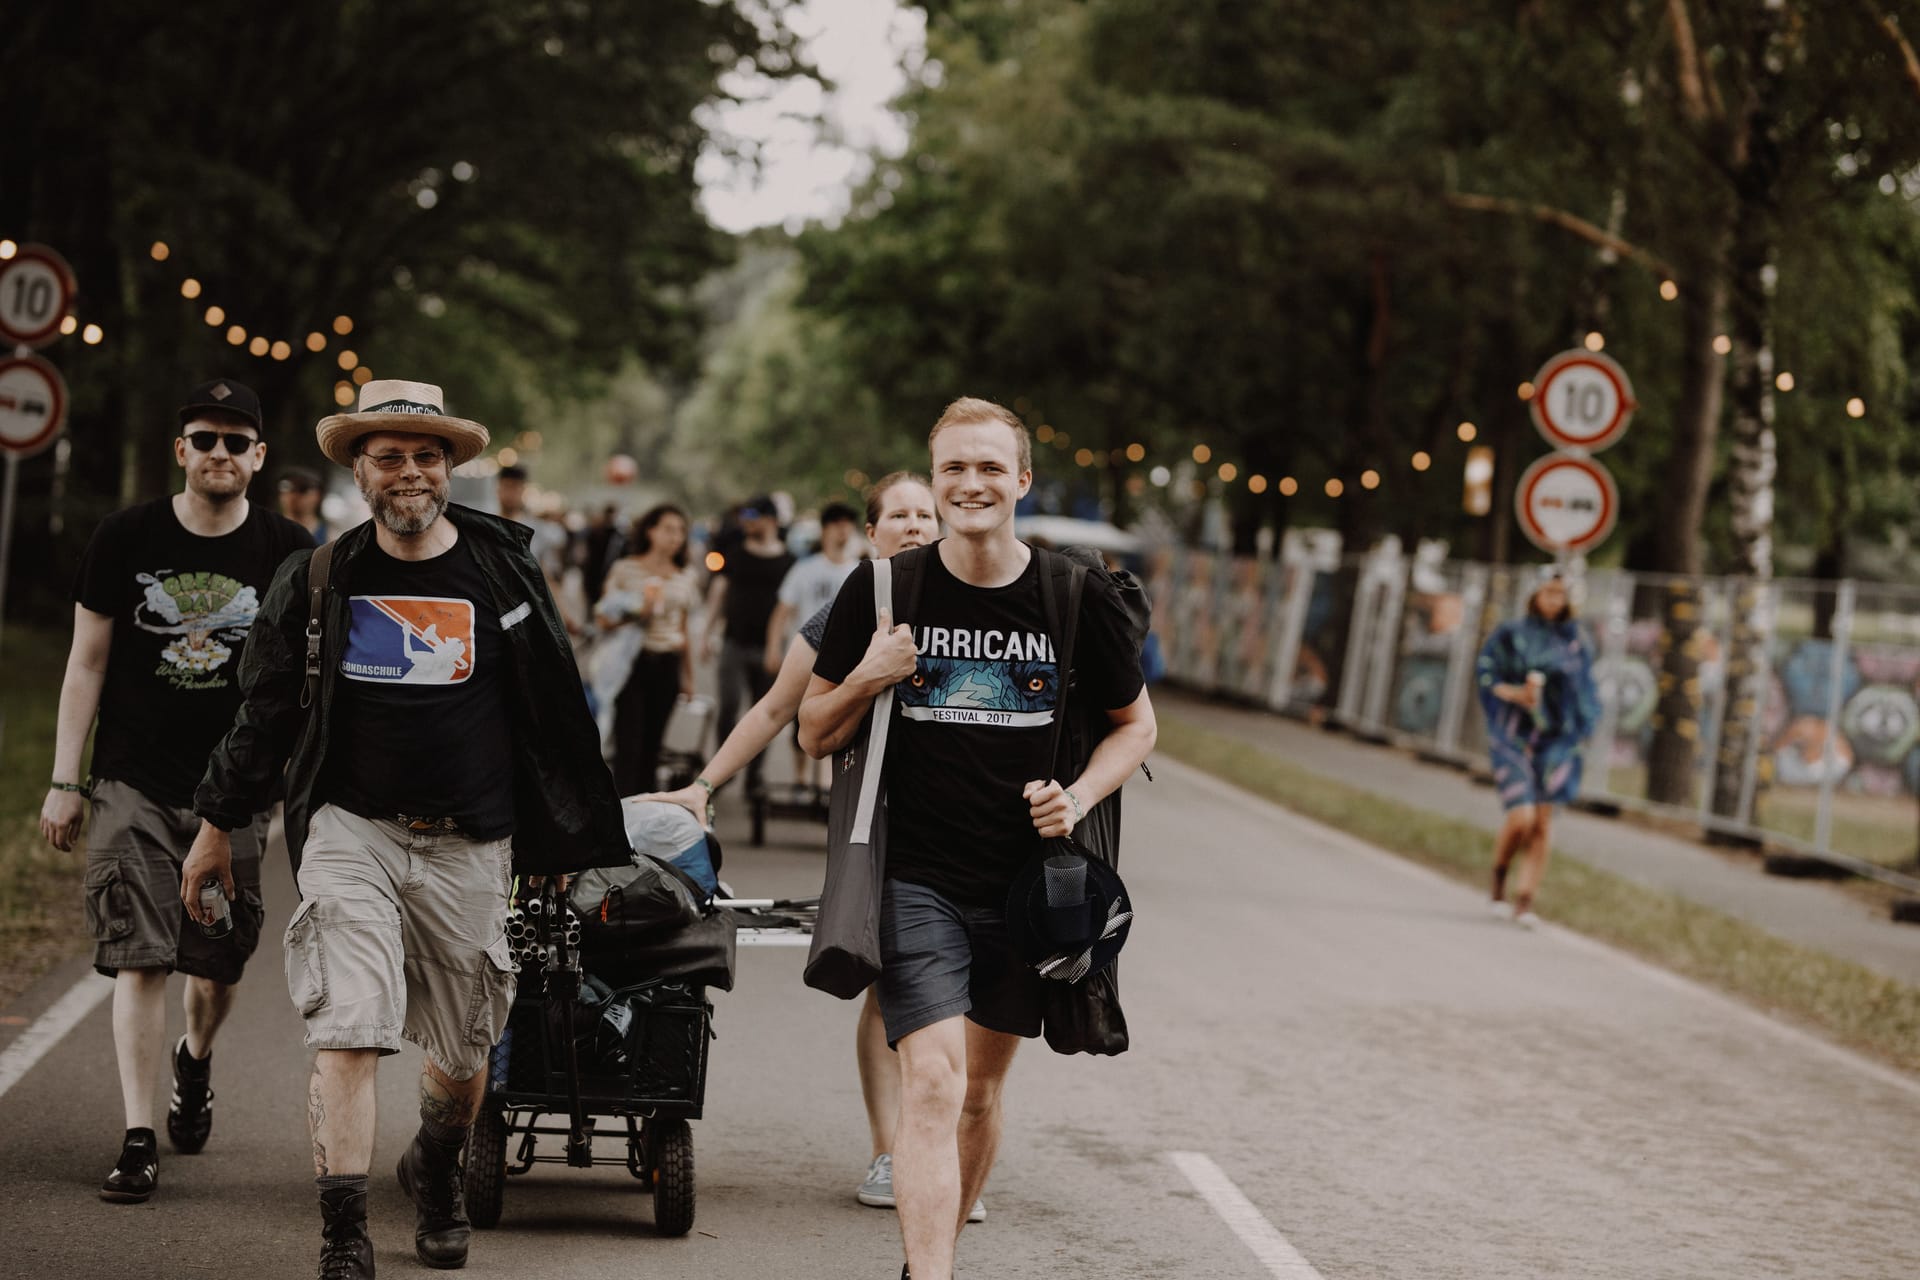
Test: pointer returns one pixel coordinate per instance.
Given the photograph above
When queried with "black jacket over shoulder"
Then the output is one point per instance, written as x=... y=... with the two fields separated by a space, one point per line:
x=566 y=815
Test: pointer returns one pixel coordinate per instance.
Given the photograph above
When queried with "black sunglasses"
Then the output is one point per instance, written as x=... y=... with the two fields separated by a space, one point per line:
x=237 y=442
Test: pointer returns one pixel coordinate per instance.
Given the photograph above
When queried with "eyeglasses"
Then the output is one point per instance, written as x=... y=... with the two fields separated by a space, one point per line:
x=425 y=459
x=237 y=442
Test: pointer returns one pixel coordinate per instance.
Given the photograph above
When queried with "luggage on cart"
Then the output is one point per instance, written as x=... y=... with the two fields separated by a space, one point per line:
x=610 y=1021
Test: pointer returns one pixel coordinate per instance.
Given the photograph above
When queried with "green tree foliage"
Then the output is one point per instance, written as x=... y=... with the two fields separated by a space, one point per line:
x=499 y=195
x=1317 y=238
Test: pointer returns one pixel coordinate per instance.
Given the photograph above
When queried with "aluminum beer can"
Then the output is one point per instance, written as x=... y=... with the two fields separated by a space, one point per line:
x=214 y=898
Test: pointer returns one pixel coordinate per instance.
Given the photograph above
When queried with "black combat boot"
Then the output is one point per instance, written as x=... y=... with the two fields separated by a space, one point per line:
x=346 y=1251
x=441 y=1231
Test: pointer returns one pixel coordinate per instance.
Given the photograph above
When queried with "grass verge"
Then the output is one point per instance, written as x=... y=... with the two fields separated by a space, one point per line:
x=41 y=920
x=1845 y=1001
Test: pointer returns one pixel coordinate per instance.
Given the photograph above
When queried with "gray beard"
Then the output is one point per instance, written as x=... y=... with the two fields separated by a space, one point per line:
x=384 y=510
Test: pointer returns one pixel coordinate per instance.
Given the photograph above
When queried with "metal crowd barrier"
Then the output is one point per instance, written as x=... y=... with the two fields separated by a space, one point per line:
x=1384 y=644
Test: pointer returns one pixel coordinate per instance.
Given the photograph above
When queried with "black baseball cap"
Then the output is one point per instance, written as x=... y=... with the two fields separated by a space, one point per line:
x=298 y=480
x=225 y=395
x=513 y=472
x=760 y=508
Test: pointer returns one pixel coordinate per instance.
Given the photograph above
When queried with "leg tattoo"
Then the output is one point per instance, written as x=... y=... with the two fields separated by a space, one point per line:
x=439 y=1105
x=317 y=1116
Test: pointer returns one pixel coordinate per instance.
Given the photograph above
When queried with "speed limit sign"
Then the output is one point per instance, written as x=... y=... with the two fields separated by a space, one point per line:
x=1582 y=400
x=36 y=292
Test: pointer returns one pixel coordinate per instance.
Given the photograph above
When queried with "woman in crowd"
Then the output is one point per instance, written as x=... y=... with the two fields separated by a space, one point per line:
x=899 y=515
x=650 y=590
x=1536 y=686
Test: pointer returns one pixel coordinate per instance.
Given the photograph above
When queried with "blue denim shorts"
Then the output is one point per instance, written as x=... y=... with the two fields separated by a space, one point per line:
x=940 y=959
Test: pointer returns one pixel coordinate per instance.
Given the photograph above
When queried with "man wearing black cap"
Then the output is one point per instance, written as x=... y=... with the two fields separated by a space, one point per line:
x=162 y=606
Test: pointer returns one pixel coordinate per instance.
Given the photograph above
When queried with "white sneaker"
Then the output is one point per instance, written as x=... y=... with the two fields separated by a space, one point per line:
x=978 y=1213
x=1526 y=920
x=877 y=1190
x=1500 y=909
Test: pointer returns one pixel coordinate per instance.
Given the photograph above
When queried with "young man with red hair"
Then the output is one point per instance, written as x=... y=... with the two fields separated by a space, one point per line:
x=970 y=796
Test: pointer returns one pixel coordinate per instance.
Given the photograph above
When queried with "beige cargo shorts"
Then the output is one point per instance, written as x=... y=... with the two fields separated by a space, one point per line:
x=401 y=934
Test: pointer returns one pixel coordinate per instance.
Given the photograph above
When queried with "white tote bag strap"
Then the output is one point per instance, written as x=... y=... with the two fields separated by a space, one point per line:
x=876 y=757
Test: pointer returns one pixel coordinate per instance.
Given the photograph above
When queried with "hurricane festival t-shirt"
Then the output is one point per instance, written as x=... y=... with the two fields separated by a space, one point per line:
x=181 y=605
x=424 y=722
x=973 y=721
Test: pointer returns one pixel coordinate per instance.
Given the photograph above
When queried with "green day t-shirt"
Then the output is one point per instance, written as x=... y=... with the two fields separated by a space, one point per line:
x=181 y=606
x=972 y=724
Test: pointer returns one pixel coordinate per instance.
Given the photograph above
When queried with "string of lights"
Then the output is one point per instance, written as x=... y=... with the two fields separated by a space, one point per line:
x=255 y=344
x=1371 y=478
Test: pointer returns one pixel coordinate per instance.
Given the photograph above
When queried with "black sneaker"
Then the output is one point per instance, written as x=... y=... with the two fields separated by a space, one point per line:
x=137 y=1172
x=441 y=1232
x=346 y=1251
x=190 y=1116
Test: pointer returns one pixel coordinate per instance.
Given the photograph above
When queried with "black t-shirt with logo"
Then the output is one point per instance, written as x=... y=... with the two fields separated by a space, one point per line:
x=423 y=724
x=753 y=588
x=181 y=606
x=972 y=724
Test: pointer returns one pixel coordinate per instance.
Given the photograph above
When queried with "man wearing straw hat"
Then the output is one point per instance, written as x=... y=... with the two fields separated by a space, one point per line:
x=437 y=740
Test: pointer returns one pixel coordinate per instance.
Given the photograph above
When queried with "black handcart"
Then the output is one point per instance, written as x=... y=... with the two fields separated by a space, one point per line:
x=600 y=1033
x=611 y=1021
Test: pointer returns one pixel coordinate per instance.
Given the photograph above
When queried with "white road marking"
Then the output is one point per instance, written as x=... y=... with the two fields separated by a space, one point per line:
x=1566 y=937
x=1269 y=1246
x=80 y=1000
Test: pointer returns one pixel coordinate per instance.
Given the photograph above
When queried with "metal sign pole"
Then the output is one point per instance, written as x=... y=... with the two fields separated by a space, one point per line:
x=7 y=490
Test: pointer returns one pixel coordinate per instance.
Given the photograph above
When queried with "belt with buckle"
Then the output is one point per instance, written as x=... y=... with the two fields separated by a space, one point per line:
x=412 y=823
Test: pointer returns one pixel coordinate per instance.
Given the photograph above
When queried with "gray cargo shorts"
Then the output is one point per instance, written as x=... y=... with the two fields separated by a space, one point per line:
x=136 y=847
x=401 y=934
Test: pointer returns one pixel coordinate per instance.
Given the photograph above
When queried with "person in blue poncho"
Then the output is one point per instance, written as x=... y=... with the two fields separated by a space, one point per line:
x=1535 y=677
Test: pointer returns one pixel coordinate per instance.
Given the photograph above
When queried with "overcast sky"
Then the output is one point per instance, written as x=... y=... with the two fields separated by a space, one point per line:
x=808 y=167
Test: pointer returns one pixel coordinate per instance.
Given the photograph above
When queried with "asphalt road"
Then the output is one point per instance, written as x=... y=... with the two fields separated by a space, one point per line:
x=1396 y=1083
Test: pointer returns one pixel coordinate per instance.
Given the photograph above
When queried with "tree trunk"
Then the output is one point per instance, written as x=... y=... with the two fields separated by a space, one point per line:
x=1753 y=462
x=1673 y=756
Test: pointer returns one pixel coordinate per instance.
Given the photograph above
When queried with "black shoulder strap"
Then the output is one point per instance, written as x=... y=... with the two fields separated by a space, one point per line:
x=1065 y=626
x=908 y=576
x=319 y=570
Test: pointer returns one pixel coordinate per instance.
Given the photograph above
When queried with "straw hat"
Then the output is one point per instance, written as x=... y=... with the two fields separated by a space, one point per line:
x=388 y=404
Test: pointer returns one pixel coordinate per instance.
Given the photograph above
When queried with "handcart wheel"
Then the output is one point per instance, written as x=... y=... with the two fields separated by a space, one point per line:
x=671 y=1144
x=761 y=805
x=486 y=1168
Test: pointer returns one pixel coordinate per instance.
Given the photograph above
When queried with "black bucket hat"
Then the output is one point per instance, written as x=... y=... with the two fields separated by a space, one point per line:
x=1068 y=914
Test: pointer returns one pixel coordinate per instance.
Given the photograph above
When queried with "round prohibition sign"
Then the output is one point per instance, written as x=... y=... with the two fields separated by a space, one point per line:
x=36 y=292
x=33 y=405
x=1567 y=503
x=1582 y=400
